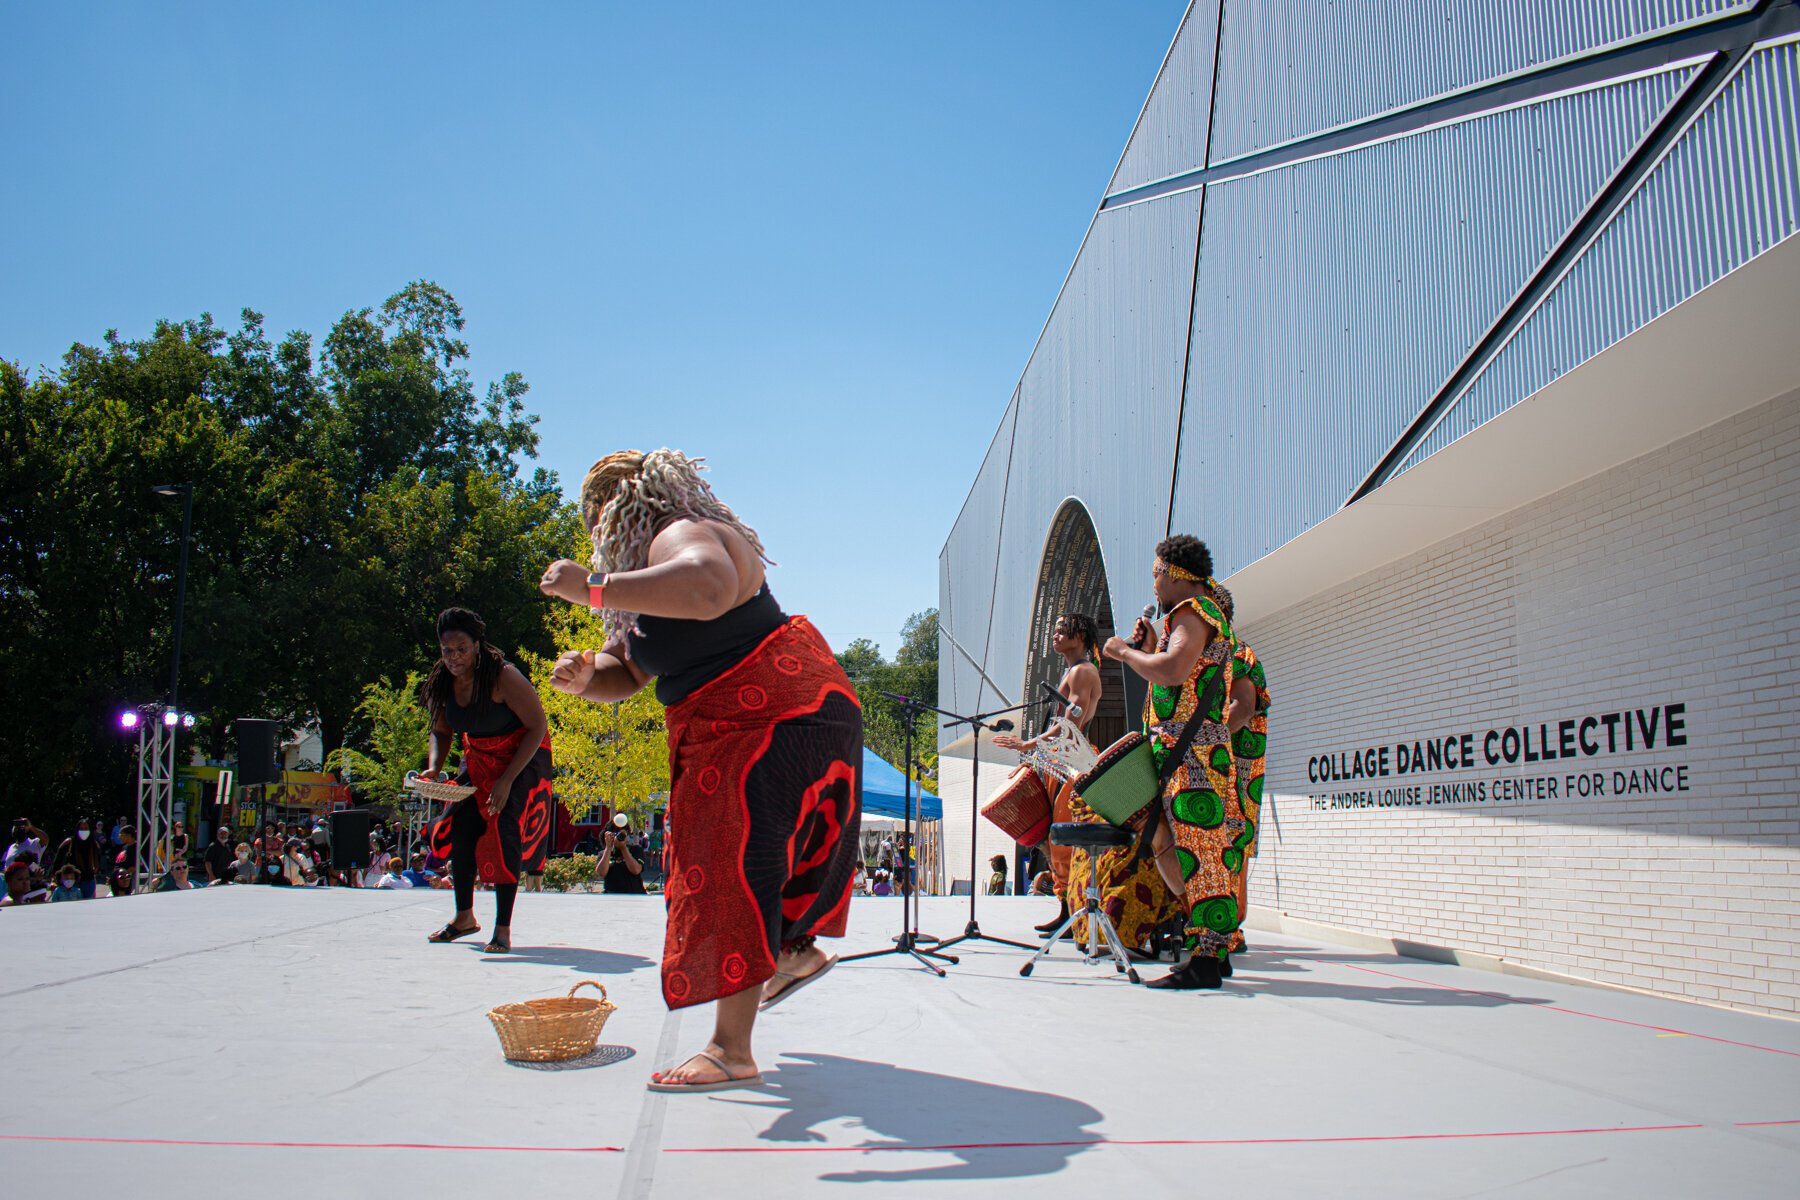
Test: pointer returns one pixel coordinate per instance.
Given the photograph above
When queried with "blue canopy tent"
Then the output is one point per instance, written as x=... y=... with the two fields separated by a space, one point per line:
x=884 y=791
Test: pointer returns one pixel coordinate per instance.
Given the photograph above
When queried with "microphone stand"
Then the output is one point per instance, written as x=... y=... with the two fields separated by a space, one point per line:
x=910 y=939
x=972 y=931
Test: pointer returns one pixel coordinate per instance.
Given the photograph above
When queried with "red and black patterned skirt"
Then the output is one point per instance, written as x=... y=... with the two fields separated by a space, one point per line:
x=765 y=807
x=515 y=841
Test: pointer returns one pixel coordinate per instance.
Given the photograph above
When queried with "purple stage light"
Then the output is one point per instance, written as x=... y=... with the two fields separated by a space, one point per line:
x=170 y=717
x=128 y=719
x=187 y=720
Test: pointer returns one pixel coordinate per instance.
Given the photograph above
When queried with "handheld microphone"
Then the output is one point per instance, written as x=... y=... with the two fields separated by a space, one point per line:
x=1001 y=726
x=1147 y=618
x=1074 y=709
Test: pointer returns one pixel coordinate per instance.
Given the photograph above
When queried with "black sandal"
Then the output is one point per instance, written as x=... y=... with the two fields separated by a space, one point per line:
x=496 y=946
x=449 y=933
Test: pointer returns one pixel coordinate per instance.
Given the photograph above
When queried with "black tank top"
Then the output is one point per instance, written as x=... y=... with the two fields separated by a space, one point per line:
x=486 y=717
x=686 y=655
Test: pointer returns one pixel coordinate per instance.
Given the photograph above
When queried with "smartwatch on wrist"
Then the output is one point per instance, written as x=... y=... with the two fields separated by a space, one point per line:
x=596 y=592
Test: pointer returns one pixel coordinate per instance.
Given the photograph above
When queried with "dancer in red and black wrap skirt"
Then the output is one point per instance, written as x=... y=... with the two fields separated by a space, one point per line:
x=498 y=833
x=765 y=745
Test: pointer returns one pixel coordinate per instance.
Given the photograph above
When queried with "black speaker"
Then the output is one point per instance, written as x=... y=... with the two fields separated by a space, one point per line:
x=350 y=838
x=256 y=745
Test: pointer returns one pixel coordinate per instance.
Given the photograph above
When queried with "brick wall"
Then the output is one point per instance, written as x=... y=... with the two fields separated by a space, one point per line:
x=1674 y=578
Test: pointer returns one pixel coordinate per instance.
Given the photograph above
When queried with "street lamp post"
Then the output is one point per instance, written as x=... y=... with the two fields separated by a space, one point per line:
x=186 y=492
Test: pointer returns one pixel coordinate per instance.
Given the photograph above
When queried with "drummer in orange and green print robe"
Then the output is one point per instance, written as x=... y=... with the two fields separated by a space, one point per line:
x=1248 y=719
x=1202 y=841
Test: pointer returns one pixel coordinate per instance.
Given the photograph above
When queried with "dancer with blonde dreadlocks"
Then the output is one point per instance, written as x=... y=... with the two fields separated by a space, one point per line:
x=765 y=744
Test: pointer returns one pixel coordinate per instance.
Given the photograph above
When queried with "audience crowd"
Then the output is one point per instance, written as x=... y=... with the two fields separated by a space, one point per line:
x=93 y=861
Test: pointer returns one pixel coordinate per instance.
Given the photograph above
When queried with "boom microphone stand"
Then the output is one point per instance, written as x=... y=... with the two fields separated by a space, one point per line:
x=910 y=939
x=972 y=931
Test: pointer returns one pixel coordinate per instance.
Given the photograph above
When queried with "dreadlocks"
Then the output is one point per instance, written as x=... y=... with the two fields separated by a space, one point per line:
x=629 y=497
x=439 y=687
x=1082 y=626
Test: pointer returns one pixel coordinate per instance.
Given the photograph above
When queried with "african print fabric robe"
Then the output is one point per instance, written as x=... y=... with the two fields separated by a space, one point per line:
x=1132 y=892
x=1249 y=745
x=1200 y=800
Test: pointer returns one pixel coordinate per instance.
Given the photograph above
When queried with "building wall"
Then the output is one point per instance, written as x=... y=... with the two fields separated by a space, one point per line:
x=1665 y=581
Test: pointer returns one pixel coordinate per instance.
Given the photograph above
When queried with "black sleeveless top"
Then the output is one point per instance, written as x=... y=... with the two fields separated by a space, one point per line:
x=486 y=717
x=686 y=655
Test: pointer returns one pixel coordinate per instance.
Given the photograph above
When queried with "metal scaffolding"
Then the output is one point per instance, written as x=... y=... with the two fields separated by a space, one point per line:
x=155 y=792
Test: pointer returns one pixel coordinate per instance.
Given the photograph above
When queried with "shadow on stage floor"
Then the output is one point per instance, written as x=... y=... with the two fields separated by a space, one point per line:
x=585 y=962
x=1018 y=1131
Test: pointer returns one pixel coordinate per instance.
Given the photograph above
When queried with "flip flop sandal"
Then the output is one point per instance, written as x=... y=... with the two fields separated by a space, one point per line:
x=715 y=1085
x=800 y=981
x=449 y=933
x=497 y=947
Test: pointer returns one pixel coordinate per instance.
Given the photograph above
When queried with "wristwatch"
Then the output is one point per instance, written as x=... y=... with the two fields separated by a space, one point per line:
x=596 y=592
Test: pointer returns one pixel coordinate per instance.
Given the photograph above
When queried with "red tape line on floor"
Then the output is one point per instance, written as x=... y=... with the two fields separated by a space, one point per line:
x=1574 y=1012
x=867 y=1148
x=108 y=1141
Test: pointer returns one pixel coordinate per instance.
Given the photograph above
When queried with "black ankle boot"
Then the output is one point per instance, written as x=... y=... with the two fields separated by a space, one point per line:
x=1225 y=967
x=1200 y=972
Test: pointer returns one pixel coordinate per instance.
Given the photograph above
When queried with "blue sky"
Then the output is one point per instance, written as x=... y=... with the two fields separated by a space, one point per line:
x=812 y=242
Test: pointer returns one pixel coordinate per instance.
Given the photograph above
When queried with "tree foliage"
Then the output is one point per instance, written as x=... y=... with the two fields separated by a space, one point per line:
x=342 y=495
x=396 y=732
x=914 y=673
x=613 y=754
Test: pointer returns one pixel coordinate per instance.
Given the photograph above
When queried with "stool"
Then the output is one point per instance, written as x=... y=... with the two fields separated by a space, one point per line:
x=1096 y=838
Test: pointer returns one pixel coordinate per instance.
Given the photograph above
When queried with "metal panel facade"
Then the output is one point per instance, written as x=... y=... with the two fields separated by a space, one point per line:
x=1729 y=190
x=1335 y=297
x=1290 y=68
x=967 y=592
x=1170 y=136
x=1097 y=411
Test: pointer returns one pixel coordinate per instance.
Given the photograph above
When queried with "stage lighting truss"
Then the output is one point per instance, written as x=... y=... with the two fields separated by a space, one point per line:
x=133 y=720
x=155 y=726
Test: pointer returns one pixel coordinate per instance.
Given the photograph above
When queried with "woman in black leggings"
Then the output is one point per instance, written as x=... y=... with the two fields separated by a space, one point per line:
x=491 y=836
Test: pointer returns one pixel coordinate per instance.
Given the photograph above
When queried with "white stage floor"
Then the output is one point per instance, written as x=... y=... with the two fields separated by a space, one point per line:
x=276 y=1042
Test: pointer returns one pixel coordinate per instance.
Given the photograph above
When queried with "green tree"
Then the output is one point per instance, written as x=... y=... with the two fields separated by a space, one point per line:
x=912 y=673
x=340 y=500
x=614 y=754
x=396 y=738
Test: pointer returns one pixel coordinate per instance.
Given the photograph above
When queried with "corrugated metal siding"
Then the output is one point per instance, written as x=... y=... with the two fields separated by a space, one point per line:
x=1170 y=136
x=967 y=561
x=1098 y=404
x=1729 y=190
x=1290 y=68
x=1336 y=295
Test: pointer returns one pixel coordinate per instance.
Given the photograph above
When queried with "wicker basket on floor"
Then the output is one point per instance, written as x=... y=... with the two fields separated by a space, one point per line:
x=555 y=1029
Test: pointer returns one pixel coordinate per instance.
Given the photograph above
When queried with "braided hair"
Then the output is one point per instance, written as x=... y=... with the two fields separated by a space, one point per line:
x=439 y=687
x=629 y=497
x=1082 y=626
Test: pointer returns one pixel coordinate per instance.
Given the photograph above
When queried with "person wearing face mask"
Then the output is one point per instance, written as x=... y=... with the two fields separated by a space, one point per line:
x=243 y=867
x=68 y=886
x=81 y=852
